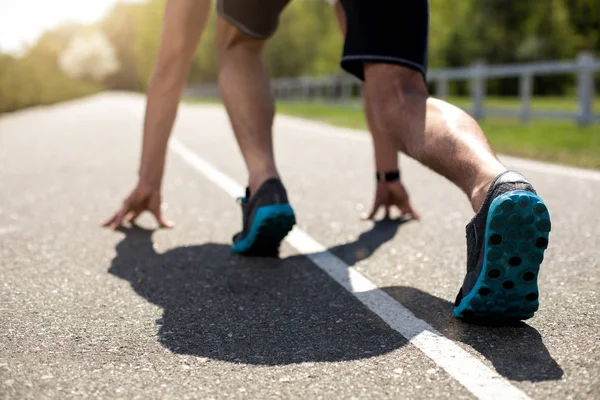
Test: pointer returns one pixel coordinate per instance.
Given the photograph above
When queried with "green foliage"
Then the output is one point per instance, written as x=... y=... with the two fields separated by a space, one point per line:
x=49 y=46
x=205 y=64
x=28 y=82
x=308 y=43
x=555 y=141
x=147 y=21
x=120 y=28
x=35 y=78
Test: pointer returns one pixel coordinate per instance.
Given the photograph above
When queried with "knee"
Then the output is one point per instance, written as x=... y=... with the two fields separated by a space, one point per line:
x=394 y=85
x=173 y=58
x=396 y=98
x=232 y=42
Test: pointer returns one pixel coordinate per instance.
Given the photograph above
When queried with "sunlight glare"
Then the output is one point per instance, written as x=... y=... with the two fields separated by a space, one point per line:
x=23 y=21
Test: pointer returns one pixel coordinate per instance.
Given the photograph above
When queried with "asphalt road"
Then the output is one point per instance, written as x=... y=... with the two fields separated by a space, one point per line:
x=172 y=314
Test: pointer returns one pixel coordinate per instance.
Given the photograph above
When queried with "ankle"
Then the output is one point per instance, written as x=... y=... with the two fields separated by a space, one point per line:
x=478 y=197
x=256 y=180
x=480 y=191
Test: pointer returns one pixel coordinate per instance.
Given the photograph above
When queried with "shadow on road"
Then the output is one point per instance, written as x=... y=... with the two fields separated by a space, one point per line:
x=277 y=312
x=517 y=351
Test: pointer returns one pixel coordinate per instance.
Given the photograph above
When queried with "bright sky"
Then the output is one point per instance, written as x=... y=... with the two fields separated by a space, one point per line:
x=23 y=21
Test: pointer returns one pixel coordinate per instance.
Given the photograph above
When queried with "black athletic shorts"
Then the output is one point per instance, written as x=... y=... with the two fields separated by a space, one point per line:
x=386 y=31
x=379 y=31
x=256 y=18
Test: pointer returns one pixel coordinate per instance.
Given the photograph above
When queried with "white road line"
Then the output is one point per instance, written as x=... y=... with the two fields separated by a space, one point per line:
x=8 y=229
x=299 y=125
x=474 y=375
x=549 y=168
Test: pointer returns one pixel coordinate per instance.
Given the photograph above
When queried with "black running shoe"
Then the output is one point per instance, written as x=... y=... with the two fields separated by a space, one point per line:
x=267 y=218
x=505 y=247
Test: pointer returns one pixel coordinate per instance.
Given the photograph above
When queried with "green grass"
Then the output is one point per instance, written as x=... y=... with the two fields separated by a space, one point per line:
x=561 y=142
x=563 y=103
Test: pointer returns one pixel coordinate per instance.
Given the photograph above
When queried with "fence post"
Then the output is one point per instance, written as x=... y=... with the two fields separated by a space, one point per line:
x=525 y=91
x=287 y=90
x=282 y=89
x=346 y=90
x=305 y=89
x=291 y=90
x=478 y=89
x=331 y=89
x=585 y=87
x=442 y=87
x=275 y=88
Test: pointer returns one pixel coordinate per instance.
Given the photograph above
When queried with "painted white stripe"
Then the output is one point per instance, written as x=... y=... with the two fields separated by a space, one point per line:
x=232 y=188
x=548 y=168
x=301 y=126
x=473 y=374
x=8 y=229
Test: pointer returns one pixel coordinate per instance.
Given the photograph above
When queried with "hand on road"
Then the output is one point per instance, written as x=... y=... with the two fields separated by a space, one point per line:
x=143 y=198
x=390 y=194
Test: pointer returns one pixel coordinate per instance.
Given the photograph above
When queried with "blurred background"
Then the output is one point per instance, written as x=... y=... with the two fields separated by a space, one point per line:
x=63 y=49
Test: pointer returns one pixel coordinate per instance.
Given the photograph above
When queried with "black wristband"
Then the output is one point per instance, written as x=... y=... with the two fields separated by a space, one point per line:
x=391 y=176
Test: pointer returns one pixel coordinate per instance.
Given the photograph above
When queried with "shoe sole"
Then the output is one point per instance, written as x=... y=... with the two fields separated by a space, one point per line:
x=270 y=226
x=517 y=231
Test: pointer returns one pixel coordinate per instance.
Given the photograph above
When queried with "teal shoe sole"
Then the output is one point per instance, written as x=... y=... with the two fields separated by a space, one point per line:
x=270 y=226
x=517 y=231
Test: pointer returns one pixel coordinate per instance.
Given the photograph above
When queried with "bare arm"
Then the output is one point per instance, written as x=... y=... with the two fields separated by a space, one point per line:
x=386 y=157
x=184 y=23
x=341 y=17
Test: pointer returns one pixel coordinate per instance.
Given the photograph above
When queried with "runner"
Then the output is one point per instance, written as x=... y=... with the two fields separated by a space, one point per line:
x=386 y=47
x=507 y=236
x=243 y=27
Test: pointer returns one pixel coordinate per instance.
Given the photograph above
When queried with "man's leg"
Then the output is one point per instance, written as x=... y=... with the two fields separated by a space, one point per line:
x=247 y=97
x=435 y=133
x=243 y=27
x=509 y=233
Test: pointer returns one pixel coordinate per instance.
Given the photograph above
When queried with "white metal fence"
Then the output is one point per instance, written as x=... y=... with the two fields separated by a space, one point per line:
x=347 y=89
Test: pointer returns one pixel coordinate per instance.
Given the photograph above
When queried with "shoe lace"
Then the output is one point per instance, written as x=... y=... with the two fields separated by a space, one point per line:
x=473 y=249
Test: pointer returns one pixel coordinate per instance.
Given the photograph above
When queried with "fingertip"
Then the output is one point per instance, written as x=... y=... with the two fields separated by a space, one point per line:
x=117 y=224
x=166 y=224
x=367 y=217
x=107 y=222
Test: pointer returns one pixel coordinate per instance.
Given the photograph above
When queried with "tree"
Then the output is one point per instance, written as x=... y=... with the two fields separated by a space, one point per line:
x=119 y=27
x=89 y=57
x=147 y=21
